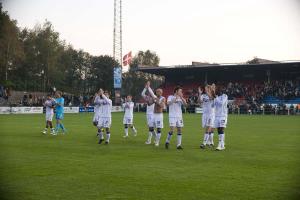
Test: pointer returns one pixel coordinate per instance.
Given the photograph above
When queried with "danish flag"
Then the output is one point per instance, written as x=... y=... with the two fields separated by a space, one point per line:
x=127 y=59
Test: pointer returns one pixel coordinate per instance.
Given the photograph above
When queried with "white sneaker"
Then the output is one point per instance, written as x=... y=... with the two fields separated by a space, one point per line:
x=125 y=136
x=148 y=142
x=134 y=132
x=44 y=132
x=156 y=144
x=53 y=133
x=220 y=148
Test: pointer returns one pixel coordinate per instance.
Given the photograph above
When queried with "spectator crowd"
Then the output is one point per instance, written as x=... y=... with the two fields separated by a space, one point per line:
x=252 y=97
x=244 y=96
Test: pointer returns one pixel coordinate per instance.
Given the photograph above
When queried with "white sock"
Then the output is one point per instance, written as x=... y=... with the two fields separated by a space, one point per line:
x=221 y=139
x=101 y=135
x=154 y=134
x=126 y=131
x=133 y=129
x=169 y=137
x=205 y=138
x=158 y=137
x=149 y=136
x=179 y=136
x=107 y=137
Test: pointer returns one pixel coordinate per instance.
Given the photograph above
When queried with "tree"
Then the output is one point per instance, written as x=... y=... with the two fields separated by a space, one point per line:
x=133 y=80
x=11 y=51
x=101 y=73
x=50 y=49
x=255 y=60
x=41 y=68
x=75 y=64
x=147 y=58
x=37 y=59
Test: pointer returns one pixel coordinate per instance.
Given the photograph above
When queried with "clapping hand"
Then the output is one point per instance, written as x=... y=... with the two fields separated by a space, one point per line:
x=147 y=85
x=100 y=92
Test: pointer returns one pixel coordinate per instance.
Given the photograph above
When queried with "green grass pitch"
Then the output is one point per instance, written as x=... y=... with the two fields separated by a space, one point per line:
x=261 y=161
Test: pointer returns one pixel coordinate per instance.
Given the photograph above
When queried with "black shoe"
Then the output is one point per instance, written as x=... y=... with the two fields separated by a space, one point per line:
x=211 y=145
x=97 y=135
x=106 y=142
x=100 y=141
x=179 y=148
x=202 y=146
x=167 y=145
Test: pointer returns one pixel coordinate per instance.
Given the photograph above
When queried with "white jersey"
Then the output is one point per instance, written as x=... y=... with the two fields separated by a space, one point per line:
x=221 y=105
x=105 y=107
x=49 y=106
x=128 y=108
x=207 y=104
x=97 y=108
x=150 y=108
x=174 y=107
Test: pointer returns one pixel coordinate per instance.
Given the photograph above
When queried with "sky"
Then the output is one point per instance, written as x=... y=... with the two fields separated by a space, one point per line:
x=179 y=31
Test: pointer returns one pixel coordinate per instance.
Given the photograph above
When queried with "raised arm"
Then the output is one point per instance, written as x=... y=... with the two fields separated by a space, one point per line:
x=152 y=93
x=97 y=100
x=183 y=101
x=126 y=104
x=107 y=100
x=200 y=98
x=144 y=93
x=210 y=93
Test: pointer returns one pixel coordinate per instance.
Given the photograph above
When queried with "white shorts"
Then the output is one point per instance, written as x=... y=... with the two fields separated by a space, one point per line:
x=158 y=120
x=104 y=122
x=220 y=122
x=96 y=117
x=175 y=121
x=150 y=120
x=49 y=116
x=208 y=121
x=127 y=120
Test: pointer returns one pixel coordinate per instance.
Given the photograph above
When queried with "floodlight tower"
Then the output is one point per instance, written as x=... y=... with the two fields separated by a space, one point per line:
x=117 y=48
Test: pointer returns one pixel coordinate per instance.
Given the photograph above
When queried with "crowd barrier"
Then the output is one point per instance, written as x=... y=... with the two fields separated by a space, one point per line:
x=40 y=110
x=90 y=109
x=199 y=110
x=21 y=110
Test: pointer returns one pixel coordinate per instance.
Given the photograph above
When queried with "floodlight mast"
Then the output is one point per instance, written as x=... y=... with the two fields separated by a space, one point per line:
x=117 y=50
x=117 y=39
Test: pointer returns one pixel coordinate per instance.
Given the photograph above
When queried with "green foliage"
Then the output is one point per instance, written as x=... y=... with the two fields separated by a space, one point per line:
x=145 y=58
x=37 y=59
x=134 y=80
x=102 y=72
x=11 y=51
x=261 y=161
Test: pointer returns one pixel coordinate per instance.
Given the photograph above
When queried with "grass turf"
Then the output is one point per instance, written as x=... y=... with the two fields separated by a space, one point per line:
x=261 y=161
